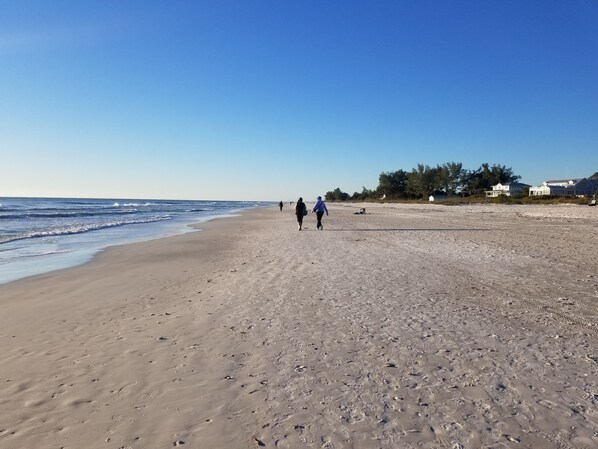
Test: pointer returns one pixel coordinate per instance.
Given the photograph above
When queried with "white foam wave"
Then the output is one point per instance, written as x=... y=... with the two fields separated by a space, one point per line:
x=78 y=229
x=131 y=204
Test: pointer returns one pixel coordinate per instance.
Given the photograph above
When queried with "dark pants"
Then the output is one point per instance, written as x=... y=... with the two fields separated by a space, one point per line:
x=319 y=216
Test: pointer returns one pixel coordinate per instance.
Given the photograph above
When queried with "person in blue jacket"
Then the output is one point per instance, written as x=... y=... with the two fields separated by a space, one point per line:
x=319 y=209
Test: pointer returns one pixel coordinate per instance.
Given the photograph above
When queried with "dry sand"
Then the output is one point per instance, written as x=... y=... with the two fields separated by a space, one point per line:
x=411 y=327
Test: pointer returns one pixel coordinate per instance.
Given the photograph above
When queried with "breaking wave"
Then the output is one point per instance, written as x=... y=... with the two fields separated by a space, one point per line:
x=77 y=229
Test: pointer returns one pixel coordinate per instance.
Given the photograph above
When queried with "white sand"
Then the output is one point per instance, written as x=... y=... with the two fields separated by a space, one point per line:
x=415 y=326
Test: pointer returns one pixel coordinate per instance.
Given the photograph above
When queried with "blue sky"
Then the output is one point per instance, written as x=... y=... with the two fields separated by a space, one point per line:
x=269 y=100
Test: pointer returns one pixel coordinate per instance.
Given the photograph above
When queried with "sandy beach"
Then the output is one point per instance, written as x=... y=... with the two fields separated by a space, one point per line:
x=413 y=326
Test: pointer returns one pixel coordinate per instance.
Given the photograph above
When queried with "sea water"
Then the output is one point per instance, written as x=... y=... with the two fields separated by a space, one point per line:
x=39 y=235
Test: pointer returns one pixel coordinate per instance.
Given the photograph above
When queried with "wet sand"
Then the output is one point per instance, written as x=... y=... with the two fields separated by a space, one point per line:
x=413 y=326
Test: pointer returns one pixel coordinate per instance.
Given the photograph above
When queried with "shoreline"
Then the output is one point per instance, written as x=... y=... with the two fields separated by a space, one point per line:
x=408 y=326
x=57 y=261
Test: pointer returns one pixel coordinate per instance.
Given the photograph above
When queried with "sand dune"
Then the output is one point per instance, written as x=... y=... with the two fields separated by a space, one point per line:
x=414 y=326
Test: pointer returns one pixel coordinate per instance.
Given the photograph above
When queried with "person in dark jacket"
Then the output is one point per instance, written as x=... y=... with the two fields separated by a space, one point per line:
x=319 y=209
x=300 y=212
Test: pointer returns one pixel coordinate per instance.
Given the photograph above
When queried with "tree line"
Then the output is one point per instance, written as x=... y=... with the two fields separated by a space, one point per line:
x=446 y=179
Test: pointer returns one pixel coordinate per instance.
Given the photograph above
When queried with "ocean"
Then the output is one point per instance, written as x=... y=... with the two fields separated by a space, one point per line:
x=39 y=235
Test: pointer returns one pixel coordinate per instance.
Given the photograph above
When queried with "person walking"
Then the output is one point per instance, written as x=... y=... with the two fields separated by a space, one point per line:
x=280 y=205
x=300 y=212
x=319 y=209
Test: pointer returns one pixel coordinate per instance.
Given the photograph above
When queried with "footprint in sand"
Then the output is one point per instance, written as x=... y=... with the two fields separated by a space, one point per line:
x=282 y=444
x=326 y=442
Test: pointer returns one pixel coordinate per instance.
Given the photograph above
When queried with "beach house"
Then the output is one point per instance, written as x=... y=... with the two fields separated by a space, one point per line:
x=566 y=187
x=507 y=189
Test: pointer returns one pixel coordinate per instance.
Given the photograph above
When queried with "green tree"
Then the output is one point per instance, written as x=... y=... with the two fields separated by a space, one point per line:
x=336 y=195
x=443 y=178
x=454 y=177
x=392 y=184
x=364 y=195
x=423 y=181
x=485 y=177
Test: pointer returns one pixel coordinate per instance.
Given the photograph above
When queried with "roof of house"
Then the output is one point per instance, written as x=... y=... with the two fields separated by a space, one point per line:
x=514 y=184
x=574 y=180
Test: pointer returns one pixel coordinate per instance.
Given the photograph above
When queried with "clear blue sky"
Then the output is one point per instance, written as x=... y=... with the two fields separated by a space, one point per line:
x=269 y=100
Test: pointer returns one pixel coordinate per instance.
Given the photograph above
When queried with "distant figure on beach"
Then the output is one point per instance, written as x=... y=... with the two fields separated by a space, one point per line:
x=361 y=211
x=300 y=212
x=319 y=209
x=280 y=205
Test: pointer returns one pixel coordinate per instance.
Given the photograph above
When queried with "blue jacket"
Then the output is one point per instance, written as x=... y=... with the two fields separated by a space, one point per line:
x=320 y=207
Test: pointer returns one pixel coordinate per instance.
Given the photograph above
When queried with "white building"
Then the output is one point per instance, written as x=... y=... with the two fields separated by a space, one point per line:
x=566 y=187
x=507 y=189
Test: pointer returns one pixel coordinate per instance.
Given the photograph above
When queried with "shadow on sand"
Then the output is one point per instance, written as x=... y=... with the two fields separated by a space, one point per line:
x=410 y=230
